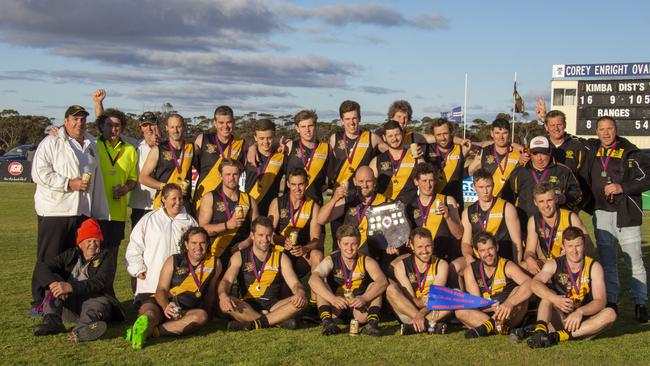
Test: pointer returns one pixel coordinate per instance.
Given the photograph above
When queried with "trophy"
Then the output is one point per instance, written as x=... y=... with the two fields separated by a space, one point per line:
x=389 y=221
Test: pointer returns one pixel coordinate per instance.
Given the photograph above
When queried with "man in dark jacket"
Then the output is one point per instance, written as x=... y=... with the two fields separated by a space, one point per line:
x=79 y=287
x=565 y=148
x=618 y=173
x=541 y=168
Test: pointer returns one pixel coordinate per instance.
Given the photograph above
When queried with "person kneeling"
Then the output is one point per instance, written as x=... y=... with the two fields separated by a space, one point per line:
x=349 y=282
x=408 y=292
x=79 y=285
x=259 y=272
x=573 y=305
x=497 y=279
x=186 y=288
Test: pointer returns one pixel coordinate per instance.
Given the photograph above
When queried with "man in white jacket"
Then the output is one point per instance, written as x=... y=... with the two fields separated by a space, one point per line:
x=153 y=239
x=69 y=189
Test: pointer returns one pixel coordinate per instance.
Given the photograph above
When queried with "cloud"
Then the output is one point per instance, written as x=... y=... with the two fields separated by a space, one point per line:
x=23 y=75
x=177 y=24
x=255 y=68
x=430 y=21
x=365 y=13
x=220 y=40
x=379 y=90
x=206 y=96
x=216 y=67
x=217 y=45
x=82 y=76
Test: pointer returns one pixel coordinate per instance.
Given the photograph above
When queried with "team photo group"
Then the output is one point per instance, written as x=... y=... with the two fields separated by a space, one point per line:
x=245 y=243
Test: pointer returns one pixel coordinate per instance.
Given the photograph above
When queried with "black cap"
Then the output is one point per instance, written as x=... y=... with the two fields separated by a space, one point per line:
x=74 y=110
x=148 y=117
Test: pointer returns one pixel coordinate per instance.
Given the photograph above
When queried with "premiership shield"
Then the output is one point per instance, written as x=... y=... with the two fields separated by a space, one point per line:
x=389 y=221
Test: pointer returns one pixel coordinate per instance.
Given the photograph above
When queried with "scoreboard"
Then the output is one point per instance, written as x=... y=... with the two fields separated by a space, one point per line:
x=627 y=101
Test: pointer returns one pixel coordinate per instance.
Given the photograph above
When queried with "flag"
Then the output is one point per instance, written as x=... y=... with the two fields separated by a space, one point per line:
x=445 y=298
x=519 y=101
x=456 y=115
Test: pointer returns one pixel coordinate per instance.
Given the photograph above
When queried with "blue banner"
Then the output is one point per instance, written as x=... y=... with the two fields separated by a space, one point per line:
x=601 y=70
x=445 y=298
x=456 y=115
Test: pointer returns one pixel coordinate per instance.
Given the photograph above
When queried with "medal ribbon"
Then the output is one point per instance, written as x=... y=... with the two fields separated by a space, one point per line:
x=221 y=150
x=193 y=272
x=307 y=164
x=225 y=203
x=481 y=221
x=350 y=156
x=496 y=158
x=424 y=210
x=549 y=241
x=421 y=277
x=365 y=208
x=178 y=165
x=488 y=289
x=347 y=276
x=575 y=289
x=117 y=156
x=295 y=214
x=399 y=162
x=609 y=155
x=258 y=272
x=537 y=177
x=260 y=171
x=445 y=155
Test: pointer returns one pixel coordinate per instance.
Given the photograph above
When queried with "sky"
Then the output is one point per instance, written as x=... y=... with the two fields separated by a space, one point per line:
x=283 y=56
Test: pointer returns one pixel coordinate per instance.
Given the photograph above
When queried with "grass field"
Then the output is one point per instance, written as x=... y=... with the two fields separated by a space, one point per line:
x=626 y=343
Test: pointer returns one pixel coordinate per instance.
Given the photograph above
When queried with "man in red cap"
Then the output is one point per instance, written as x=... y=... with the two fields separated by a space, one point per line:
x=79 y=287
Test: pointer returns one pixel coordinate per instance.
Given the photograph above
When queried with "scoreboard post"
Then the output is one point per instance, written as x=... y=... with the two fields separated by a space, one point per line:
x=586 y=92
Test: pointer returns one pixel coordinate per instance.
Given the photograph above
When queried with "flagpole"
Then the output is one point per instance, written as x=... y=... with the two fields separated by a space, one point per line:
x=514 y=101
x=465 y=109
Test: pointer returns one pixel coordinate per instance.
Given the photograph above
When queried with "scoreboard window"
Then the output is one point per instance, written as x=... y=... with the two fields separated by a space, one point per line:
x=564 y=97
x=627 y=101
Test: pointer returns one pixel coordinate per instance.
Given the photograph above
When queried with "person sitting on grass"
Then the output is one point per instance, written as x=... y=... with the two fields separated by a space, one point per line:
x=497 y=279
x=408 y=292
x=260 y=271
x=349 y=285
x=573 y=296
x=186 y=287
x=79 y=284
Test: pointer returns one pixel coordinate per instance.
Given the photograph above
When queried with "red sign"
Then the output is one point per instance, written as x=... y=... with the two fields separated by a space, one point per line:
x=15 y=168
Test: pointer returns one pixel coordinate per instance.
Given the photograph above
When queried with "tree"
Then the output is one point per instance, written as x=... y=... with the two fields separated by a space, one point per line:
x=16 y=129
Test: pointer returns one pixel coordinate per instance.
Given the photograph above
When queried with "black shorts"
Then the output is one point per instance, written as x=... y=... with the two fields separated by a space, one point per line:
x=144 y=298
x=113 y=232
x=300 y=265
x=261 y=304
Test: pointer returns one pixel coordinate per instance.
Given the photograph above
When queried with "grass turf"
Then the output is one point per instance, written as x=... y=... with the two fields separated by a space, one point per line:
x=625 y=343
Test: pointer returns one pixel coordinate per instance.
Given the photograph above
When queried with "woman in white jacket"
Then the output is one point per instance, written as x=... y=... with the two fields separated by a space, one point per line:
x=153 y=239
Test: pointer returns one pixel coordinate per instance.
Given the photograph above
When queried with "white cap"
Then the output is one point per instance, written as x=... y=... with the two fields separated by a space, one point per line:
x=540 y=144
